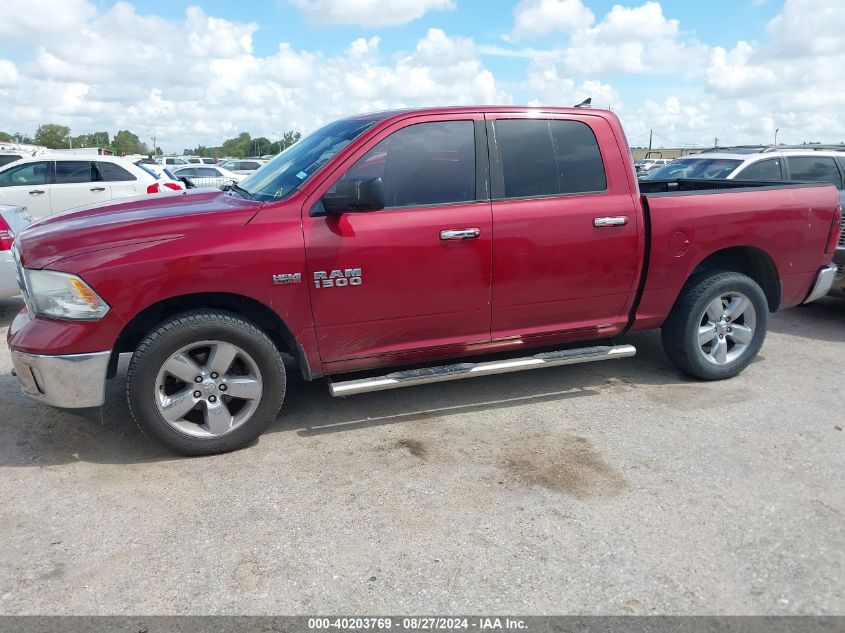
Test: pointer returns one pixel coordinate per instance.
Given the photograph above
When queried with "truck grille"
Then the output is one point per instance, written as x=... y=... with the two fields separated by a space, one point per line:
x=842 y=232
x=840 y=272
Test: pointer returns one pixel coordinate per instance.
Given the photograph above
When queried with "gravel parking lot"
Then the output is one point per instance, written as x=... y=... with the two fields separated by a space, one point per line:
x=619 y=487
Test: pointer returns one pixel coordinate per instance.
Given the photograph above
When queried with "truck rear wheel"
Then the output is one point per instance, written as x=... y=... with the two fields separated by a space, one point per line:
x=205 y=382
x=717 y=325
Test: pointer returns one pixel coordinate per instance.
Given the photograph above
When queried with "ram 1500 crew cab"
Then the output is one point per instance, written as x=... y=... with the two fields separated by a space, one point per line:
x=407 y=240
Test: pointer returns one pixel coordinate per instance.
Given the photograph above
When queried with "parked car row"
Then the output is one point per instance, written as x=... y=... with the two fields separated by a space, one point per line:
x=767 y=164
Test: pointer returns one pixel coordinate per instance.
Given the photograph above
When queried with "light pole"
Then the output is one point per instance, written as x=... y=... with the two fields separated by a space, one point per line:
x=776 y=136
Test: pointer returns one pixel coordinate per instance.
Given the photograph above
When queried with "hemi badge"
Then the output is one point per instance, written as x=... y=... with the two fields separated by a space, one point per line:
x=287 y=278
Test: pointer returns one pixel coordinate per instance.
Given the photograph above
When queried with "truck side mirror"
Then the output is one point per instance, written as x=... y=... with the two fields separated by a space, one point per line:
x=354 y=195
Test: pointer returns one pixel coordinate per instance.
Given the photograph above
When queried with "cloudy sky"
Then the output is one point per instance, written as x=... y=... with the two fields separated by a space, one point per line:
x=200 y=71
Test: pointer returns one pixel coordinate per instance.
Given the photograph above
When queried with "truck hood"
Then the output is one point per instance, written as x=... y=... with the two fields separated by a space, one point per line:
x=133 y=221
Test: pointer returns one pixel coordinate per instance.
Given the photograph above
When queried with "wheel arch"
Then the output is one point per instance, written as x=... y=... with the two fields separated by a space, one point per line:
x=260 y=314
x=748 y=260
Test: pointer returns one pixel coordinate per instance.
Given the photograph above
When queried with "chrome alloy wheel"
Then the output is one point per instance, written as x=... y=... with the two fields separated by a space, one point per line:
x=727 y=327
x=208 y=389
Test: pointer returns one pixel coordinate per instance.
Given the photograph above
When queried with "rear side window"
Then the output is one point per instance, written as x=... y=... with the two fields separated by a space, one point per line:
x=73 y=171
x=422 y=164
x=207 y=172
x=115 y=173
x=27 y=174
x=814 y=169
x=768 y=169
x=249 y=165
x=548 y=157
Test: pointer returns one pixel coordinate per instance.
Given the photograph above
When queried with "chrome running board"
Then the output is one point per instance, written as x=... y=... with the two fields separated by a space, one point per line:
x=442 y=373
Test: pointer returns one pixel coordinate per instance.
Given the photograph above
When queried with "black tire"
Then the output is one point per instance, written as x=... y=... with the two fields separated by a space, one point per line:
x=680 y=332
x=184 y=330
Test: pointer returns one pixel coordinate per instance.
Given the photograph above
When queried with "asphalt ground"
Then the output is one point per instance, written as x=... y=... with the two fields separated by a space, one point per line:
x=620 y=487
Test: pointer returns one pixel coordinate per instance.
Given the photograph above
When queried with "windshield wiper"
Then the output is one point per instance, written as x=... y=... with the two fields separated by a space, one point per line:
x=236 y=187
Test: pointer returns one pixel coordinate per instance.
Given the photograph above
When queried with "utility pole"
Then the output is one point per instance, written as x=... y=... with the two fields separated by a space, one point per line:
x=650 y=134
x=155 y=151
x=716 y=143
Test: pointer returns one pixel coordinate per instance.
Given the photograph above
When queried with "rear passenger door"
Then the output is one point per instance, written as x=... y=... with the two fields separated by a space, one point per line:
x=75 y=186
x=567 y=247
x=120 y=182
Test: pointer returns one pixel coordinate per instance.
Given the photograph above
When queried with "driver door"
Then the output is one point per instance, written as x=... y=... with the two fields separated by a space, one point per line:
x=415 y=275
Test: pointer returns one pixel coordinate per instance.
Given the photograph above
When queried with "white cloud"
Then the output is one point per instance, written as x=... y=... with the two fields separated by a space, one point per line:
x=29 y=19
x=540 y=17
x=8 y=72
x=368 y=13
x=550 y=87
x=632 y=40
x=200 y=81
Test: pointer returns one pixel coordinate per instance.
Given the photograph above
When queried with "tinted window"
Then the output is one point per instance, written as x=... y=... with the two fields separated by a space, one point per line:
x=426 y=163
x=207 y=172
x=814 y=169
x=5 y=159
x=28 y=174
x=194 y=160
x=716 y=168
x=208 y=161
x=547 y=157
x=71 y=171
x=249 y=165
x=115 y=173
x=768 y=169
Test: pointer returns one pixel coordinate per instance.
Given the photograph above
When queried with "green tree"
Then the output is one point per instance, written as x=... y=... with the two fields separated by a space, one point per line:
x=126 y=142
x=238 y=146
x=53 y=136
x=4 y=136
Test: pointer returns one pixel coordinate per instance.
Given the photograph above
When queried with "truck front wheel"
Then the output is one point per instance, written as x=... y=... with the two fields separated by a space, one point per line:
x=717 y=325
x=205 y=382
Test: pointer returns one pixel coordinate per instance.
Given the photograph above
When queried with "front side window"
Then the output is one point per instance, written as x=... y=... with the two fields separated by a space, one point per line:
x=768 y=169
x=548 y=157
x=422 y=164
x=27 y=174
x=814 y=169
x=73 y=171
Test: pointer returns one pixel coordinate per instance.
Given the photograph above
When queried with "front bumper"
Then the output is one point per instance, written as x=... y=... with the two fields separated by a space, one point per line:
x=74 y=381
x=824 y=282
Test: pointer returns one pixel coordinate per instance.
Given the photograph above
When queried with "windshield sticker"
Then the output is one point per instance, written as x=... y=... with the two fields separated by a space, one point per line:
x=301 y=175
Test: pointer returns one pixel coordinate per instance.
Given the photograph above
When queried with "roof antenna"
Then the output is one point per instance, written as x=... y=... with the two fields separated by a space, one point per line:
x=585 y=103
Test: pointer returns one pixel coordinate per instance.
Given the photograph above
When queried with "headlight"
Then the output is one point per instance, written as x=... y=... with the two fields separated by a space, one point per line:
x=63 y=296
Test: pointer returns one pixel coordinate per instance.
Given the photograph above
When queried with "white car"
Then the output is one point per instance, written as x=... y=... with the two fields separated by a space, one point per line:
x=171 y=162
x=12 y=221
x=245 y=166
x=51 y=183
x=208 y=175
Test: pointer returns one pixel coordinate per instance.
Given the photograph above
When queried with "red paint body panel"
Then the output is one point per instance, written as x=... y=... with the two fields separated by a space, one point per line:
x=540 y=273
x=789 y=225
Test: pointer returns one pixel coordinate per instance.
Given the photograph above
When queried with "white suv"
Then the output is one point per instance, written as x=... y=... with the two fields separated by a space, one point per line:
x=51 y=183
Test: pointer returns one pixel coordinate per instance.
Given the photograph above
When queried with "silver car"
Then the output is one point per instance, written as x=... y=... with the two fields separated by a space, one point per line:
x=208 y=175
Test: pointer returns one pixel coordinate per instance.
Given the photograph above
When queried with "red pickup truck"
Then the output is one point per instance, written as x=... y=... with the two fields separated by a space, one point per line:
x=407 y=239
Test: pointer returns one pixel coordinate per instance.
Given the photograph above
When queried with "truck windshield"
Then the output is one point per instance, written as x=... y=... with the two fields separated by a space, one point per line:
x=287 y=171
x=718 y=168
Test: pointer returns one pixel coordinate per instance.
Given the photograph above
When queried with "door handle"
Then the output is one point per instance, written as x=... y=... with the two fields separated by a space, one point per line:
x=459 y=234
x=617 y=220
x=36 y=192
x=97 y=189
